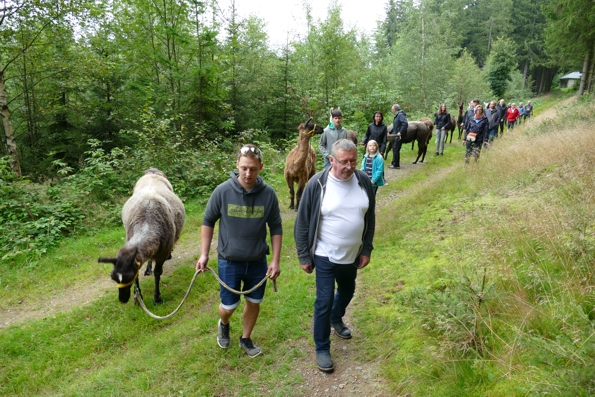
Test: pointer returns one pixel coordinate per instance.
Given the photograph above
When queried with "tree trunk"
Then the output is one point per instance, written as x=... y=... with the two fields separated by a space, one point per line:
x=591 y=74
x=525 y=72
x=490 y=37
x=584 y=76
x=11 y=143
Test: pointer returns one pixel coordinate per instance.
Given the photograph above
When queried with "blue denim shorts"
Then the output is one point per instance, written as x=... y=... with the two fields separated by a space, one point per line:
x=233 y=273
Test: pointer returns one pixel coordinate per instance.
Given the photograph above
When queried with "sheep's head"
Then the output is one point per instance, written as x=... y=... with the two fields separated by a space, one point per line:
x=310 y=128
x=126 y=267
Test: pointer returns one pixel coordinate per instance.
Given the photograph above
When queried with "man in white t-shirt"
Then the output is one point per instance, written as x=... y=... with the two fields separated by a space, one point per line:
x=333 y=232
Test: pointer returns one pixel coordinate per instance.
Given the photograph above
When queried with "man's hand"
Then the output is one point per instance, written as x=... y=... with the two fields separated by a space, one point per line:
x=307 y=267
x=363 y=261
x=201 y=265
x=274 y=270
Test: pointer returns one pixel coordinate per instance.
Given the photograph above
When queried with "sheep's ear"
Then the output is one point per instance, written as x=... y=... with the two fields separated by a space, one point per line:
x=107 y=260
x=128 y=255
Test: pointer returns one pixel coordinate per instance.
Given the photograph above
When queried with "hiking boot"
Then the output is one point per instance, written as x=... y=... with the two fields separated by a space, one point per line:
x=249 y=347
x=341 y=330
x=436 y=155
x=324 y=362
x=223 y=335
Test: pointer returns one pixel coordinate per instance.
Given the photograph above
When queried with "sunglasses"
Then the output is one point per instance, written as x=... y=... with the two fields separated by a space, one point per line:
x=252 y=149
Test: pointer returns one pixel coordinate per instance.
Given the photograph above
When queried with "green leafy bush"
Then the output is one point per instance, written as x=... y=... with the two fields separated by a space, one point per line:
x=33 y=217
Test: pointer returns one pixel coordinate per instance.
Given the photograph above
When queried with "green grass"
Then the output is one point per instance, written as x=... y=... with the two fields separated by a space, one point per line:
x=480 y=284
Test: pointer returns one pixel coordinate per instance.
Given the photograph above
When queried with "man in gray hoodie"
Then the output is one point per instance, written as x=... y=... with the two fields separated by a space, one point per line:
x=244 y=205
x=331 y=134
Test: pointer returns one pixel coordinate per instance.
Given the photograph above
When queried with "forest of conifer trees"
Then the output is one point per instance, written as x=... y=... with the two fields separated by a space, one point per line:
x=74 y=71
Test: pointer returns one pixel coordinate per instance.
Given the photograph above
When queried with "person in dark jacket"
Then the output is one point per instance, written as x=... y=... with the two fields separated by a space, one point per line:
x=377 y=131
x=399 y=129
x=502 y=108
x=442 y=123
x=476 y=135
x=528 y=110
x=469 y=113
x=493 y=116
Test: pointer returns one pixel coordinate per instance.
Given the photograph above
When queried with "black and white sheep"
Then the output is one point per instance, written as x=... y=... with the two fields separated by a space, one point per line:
x=153 y=218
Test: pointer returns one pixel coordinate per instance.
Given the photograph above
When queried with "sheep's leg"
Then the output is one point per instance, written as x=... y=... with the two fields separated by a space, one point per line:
x=157 y=273
x=149 y=269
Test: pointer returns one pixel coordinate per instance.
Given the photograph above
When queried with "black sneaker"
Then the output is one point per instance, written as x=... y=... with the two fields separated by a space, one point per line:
x=341 y=330
x=223 y=335
x=324 y=362
x=249 y=347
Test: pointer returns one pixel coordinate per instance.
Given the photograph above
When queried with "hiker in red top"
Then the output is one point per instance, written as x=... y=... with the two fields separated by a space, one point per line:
x=512 y=114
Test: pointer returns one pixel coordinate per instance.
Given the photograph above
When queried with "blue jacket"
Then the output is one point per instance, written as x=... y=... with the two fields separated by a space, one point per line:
x=305 y=230
x=480 y=128
x=400 y=123
x=377 y=169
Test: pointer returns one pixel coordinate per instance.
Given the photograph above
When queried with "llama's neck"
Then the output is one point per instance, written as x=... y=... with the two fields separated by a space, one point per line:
x=303 y=148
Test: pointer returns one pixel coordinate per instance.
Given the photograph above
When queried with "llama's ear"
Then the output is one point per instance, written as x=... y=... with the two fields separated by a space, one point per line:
x=107 y=260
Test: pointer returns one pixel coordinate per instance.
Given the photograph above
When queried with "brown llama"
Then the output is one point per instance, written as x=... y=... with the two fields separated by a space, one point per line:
x=300 y=164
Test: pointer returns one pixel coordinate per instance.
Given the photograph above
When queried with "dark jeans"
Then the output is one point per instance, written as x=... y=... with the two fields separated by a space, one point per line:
x=397 y=152
x=502 y=128
x=329 y=307
x=493 y=134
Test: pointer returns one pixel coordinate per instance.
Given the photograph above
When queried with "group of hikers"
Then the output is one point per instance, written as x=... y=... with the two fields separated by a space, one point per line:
x=333 y=236
x=481 y=126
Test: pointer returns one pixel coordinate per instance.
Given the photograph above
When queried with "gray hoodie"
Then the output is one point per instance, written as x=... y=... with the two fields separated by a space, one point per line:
x=243 y=218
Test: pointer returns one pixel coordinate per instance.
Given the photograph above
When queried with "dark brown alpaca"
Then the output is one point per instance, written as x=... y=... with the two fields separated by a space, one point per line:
x=420 y=131
x=451 y=128
x=300 y=164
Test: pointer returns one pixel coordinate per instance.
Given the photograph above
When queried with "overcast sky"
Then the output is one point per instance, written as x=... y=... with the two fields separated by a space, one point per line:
x=284 y=15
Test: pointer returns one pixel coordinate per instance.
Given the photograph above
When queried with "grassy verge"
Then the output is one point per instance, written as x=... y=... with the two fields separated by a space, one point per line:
x=481 y=283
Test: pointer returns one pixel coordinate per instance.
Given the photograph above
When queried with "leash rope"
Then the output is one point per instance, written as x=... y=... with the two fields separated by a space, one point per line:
x=138 y=297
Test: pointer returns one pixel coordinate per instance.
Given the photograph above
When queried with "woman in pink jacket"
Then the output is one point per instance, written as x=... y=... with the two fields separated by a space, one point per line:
x=512 y=114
